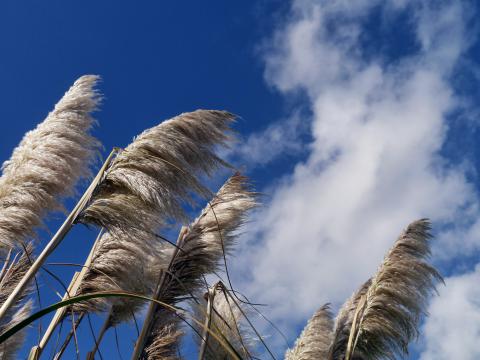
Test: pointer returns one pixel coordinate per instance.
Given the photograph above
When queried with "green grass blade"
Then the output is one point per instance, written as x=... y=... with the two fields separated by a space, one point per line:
x=104 y=294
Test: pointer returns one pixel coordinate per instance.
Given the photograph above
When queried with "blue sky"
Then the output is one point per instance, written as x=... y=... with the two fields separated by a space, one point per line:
x=357 y=117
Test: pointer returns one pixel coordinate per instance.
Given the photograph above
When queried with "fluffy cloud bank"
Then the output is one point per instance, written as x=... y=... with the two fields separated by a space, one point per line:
x=379 y=124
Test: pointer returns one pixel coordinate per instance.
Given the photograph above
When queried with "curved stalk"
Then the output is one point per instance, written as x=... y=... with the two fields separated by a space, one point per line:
x=208 y=321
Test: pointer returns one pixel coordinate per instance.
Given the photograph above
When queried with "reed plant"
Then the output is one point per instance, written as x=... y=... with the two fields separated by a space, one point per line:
x=139 y=194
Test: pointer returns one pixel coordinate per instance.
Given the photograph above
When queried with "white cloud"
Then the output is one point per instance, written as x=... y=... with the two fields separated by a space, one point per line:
x=374 y=164
x=453 y=327
x=279 y=139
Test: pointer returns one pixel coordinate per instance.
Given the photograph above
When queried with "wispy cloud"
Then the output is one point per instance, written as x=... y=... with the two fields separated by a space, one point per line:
x=278 y=140
x=454 y=323
x=378 y=126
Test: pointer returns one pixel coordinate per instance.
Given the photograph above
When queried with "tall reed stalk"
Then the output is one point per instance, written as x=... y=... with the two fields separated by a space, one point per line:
x=72 y=290
x=56 y=239
x=207 y=322
x=43 y=169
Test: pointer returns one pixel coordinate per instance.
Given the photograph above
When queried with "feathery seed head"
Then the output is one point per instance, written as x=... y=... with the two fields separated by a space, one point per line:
x=202 y=248
x=158 y=172
x=12 y=272
x=166 y=337
x=315 y=339
x=121 y=262
x=211 y=235
x=389 y=310
x=47 y=164
x=10 y=347
x=343 y=323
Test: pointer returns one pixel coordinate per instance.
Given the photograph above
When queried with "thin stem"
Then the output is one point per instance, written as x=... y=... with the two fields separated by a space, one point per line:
x=207 y=323
x=235 y=322
x=253 y=328
x=8 y=270
x=105 y=327
x=37 y=288
x=36 y=351
x=59 y=354
x=355 y=329
x=56 y=240
x=57 y=342
x=5 y=263
x=58 y=315
x=75 y=339
x=117 y=343
x=71 y=291
x=148 y=322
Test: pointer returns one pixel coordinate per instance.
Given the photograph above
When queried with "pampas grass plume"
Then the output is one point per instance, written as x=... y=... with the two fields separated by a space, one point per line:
x=202 y=248
x=47 y=164
x=315 y=339
x=158 y=172
x=389 y=312
x=13 y=270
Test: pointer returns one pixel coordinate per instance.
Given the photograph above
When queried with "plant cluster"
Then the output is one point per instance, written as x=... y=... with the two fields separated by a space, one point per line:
x=140 y=192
